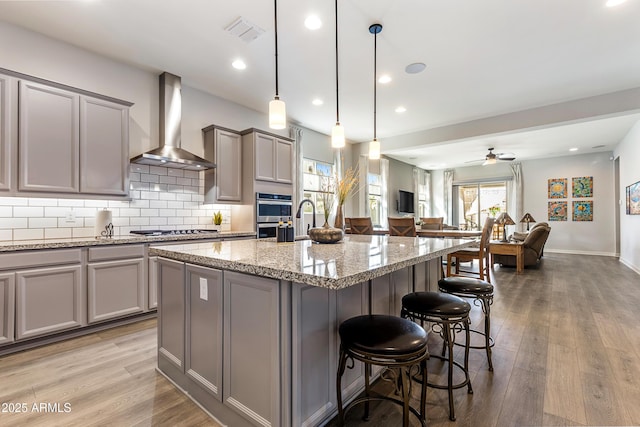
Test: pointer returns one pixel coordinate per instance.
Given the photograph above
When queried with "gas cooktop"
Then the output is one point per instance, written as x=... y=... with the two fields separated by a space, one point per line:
x=170 y=232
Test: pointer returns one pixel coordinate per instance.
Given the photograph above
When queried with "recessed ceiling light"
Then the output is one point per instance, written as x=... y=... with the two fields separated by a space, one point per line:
x=573 y=149
x=415 y=68
x=317 y=101
x=613 y=3
x=312 y=22
x=400 y=109
x=385 y=78
x=239 y=64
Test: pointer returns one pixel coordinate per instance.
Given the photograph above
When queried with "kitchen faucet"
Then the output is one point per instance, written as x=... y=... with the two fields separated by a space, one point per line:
x=314 y=212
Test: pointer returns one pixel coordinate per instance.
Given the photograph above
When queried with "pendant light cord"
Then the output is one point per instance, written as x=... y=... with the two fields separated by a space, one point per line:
x=375 y=73
x=337 y=90
x=275 y=14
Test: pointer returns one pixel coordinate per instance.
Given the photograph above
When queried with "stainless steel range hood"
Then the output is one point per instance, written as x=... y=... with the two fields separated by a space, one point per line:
x=169 y=154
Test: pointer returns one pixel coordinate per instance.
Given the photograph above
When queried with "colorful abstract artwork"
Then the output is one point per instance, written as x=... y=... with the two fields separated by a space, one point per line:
x=583 y=210
x=557 y=211
x=633 y=199
x=583 y=186
x=558 y=188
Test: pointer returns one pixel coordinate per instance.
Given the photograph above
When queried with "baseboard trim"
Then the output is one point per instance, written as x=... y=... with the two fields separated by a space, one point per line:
x=631 y=266
x=572 y=252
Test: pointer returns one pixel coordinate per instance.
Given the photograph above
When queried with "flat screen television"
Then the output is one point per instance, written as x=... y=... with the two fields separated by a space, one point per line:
x=405 y=201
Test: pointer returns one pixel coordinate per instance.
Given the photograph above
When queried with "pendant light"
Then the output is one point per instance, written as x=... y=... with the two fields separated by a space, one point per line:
x=337 y=133
x=374 y=146
x=277 y=110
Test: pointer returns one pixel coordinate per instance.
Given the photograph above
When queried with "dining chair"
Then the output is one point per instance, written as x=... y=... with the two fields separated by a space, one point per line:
x=432 y=223
x=361 y=225
x=402 y=226
x=480 y=253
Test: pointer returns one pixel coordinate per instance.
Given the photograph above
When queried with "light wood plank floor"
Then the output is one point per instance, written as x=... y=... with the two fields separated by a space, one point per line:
x=567 y=354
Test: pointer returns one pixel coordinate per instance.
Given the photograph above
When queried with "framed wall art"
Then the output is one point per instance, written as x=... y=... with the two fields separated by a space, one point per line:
x=633 y=199
x=557 y=211
x=582 y=186
x=557 y=188
x=583 y=210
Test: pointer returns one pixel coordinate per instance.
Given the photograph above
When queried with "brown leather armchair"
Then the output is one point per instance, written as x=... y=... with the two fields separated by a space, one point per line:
x=533 y=247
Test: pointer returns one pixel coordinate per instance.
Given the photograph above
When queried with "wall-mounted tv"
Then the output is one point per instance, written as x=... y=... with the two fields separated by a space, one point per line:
x=405 y=202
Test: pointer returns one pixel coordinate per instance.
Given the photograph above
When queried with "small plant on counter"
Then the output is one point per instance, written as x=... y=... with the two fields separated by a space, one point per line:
x=217 y=218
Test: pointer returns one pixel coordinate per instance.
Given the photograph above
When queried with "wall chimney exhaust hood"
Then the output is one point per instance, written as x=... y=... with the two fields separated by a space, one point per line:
x=169 y=153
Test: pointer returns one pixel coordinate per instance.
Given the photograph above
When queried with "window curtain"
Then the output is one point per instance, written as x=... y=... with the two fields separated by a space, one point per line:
x=363 y=200
x=514 y=191
x=448 y=196
x=417 y=180
x=422 y=178
x=295 y=133
x=384 y=173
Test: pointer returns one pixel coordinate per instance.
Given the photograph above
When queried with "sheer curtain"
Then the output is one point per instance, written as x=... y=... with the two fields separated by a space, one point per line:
x=363 y=200
x=448 y=196
x=295 y=133
x=514 y=191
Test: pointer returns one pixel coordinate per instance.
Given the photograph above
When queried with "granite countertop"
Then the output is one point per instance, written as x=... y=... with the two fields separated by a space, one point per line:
x=79 y=242
x=356 y=259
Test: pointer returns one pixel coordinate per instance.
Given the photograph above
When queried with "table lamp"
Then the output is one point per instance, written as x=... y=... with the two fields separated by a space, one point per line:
x=527 y=218
x=504 y=219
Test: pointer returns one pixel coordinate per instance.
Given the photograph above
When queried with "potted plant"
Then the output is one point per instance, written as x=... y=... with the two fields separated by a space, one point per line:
x=344 y=188
x=217 y=220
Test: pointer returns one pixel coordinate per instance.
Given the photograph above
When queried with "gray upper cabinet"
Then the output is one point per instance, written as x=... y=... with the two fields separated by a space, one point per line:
x=274 y=158
x=224 y=183
x=48 y=139
x=104 y=147
x=6 y=123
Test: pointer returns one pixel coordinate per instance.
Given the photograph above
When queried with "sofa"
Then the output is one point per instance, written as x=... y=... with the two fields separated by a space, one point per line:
x=533 y=242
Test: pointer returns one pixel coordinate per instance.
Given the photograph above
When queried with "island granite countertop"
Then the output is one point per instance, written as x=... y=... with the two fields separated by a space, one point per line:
x=356 y=259
x=79 y=242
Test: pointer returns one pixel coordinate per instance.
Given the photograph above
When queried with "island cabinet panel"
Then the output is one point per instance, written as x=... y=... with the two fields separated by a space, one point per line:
x=252 y=348
x=49 y=300
x=6 y=130
x=171 y=309
x=104 y=147
x=115 y=288
x=203 y=358
x=401 y=285
x=152 y=285
x=7 y=305
x=48 y=139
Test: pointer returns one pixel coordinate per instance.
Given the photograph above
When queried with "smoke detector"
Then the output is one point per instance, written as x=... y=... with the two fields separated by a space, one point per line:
x=245 y=30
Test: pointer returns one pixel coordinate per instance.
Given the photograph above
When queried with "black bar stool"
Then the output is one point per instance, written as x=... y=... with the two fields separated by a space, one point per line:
x=450 y=314
x=388 y=341
x=482 y=293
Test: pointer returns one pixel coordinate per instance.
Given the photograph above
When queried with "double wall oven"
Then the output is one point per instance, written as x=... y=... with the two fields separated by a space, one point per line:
x=270 y=209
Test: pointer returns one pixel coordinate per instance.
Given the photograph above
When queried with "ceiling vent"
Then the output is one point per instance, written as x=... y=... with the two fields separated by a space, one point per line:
x=244 y=29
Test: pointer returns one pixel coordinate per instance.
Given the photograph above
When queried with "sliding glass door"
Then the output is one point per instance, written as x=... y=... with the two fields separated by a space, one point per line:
x=475 y=202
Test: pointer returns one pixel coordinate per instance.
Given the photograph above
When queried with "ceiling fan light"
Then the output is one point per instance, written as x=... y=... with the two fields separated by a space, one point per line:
x=277 y=114
x=374 y=150
x=337 y=136
x=490 y=161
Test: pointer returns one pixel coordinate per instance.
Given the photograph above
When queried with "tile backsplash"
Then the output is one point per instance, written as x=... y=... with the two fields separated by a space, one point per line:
x=161 y=198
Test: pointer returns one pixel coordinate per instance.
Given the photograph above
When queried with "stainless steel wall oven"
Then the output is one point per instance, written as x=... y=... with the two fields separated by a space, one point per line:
x=270 y=209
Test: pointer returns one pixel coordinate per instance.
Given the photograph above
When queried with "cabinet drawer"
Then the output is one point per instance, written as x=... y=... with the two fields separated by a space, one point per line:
x=15 y=260
x=116 y=252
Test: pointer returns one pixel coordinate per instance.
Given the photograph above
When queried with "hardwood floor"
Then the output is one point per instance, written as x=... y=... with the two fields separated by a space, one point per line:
x=567 y=353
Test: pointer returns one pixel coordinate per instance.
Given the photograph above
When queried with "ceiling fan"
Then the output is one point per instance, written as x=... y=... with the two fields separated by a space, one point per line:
x=491 y=157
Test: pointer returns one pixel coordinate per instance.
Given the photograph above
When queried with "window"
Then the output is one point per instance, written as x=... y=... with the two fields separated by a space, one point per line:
x=318 y=179
x=374 y=182
x=476 y=202
x=423 y=195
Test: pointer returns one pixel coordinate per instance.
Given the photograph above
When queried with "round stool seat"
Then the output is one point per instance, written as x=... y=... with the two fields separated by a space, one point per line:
x=465 y=285
x=435 y=304
x=383 y=335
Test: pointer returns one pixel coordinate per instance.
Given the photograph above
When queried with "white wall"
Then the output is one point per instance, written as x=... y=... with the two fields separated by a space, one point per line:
x=400 y=178
x=628 y=151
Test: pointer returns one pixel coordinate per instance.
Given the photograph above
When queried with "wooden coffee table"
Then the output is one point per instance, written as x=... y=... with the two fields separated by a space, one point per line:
x=508 y=248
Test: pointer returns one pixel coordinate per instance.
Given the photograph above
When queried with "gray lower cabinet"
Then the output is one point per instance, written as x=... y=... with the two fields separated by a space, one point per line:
x=48 y=135
x=171 y=310
x=252 y=330
x=115 y=289
x=7 y=305
x=152 y=292
x=203 y=358
x=6 y=125
x=49 y=300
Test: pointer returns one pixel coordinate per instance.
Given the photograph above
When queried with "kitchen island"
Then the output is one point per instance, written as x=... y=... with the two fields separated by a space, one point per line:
x=248 y=329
